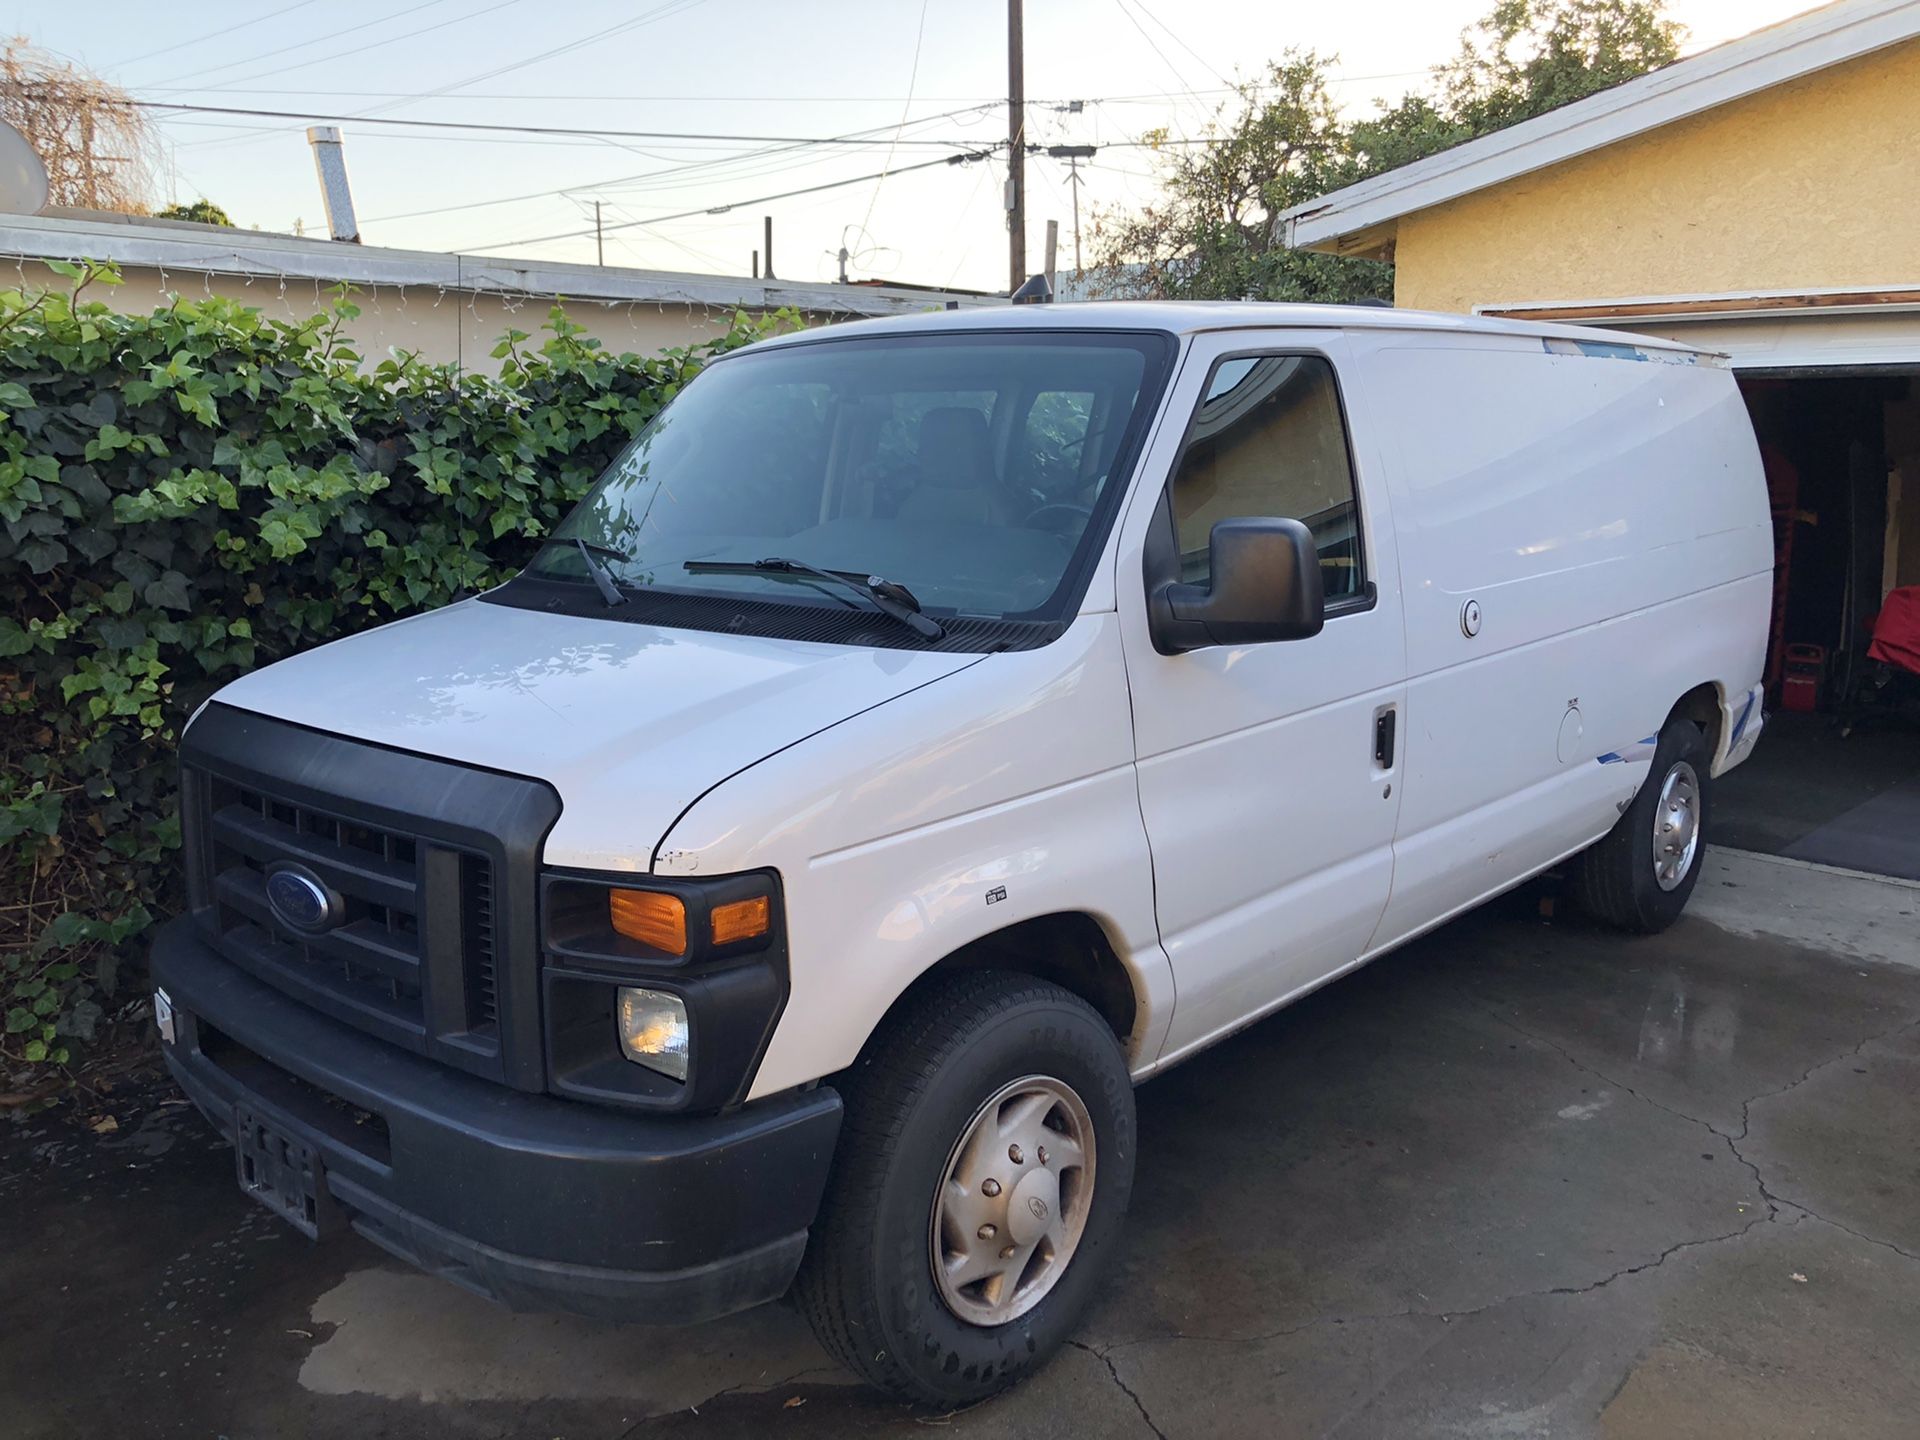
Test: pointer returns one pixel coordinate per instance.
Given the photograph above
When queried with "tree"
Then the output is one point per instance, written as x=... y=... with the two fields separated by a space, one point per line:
x=1275 y=144
x=203 y=211
x=1212 y=235
x=1531 y=56
x=95 y=142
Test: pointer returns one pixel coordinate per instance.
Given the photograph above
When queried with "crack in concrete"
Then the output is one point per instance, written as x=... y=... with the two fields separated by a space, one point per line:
x=1775 y=1204
x=1601 y=1075
x=743 y=1386
x=1746 y=1106
x=1113 y=1372
x=1859 y=1235
x=1449 y=1316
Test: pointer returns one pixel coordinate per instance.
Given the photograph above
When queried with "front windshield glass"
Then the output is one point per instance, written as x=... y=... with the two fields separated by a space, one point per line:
x=977 y=471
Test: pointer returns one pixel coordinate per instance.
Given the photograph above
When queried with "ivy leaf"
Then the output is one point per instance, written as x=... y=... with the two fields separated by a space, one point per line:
x=169 y=592
x=41 y=556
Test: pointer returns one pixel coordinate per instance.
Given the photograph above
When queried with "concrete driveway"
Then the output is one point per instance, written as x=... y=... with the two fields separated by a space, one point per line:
x=1523 y=1179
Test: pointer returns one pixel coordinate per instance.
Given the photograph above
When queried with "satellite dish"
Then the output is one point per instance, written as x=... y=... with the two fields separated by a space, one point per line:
x=23 y=178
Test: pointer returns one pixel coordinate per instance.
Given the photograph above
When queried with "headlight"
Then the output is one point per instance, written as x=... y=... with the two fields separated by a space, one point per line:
x=653 y=1030
x=660 y=991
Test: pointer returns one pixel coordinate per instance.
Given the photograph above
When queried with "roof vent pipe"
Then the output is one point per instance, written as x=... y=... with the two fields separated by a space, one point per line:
x=1035 y=292
x=330 y=161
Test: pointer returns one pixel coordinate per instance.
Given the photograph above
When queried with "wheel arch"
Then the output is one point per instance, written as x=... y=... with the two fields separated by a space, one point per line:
x=1070 y=948
x=1706 y=705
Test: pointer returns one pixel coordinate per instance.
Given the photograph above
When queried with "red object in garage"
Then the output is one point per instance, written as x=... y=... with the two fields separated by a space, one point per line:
x=1896 y=634
x=1805 y=669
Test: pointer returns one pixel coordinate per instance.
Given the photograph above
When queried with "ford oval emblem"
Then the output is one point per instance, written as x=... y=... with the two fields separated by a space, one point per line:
x=298 y=899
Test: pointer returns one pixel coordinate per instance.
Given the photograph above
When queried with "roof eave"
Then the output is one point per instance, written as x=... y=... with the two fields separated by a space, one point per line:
x=1817 y=40
x=257 y=255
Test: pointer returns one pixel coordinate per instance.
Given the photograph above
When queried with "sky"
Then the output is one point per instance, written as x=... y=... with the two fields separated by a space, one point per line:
x=911 y=81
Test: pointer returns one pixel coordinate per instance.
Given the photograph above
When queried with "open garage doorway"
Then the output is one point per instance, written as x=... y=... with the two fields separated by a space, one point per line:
x=1836 y=780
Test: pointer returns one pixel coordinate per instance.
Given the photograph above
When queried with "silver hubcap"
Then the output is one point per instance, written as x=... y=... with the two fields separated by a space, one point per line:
x=1013 y=1202
x=1676 y=826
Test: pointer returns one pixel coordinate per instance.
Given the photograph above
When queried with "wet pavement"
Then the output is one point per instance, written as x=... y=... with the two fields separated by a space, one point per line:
x=1522 y=1179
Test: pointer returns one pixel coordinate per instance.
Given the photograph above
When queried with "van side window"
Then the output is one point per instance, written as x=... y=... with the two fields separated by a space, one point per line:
x=1269 y=440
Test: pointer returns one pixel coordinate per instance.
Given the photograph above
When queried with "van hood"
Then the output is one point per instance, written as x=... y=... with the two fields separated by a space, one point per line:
x=629 y=722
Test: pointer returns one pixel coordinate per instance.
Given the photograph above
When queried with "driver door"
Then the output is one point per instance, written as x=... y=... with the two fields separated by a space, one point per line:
x=1268 y=772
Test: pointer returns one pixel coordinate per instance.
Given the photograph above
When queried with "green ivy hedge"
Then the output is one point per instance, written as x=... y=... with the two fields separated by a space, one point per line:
x=191 y=493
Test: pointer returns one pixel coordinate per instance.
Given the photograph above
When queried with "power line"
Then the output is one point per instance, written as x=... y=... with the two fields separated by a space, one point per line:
x=1172 y=69
x=1204 y=63
x=306 y=115
x=627 y=99
x=645 y=174
x=913 y=76
x=736 y=204
x=302 y=44
x=661 y=12
x=220 y=34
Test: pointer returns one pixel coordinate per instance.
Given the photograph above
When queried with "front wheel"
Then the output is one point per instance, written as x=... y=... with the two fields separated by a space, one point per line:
x=1638 y=876
x=981 y=1177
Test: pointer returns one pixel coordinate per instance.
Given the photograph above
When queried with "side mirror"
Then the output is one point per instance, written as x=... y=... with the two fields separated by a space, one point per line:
x=1264 y=585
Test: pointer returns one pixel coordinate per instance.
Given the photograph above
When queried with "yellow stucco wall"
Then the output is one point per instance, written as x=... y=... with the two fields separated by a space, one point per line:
x=1812 y=184
x=457 y=326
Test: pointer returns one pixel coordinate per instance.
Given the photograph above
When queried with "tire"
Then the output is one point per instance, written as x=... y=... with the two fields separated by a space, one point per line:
x=1616 y=881
x=868 y=1284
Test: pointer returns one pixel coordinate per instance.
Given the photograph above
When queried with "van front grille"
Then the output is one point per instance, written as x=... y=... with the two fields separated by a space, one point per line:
x=406 y=885
x=476 y=914
x=367 y=963
x=371 y=955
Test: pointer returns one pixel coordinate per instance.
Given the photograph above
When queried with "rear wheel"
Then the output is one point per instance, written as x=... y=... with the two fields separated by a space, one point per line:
x=981 y=1177
x=1638 y=877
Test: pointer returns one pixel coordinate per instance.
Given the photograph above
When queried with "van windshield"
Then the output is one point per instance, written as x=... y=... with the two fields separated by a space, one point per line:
x=977 y=471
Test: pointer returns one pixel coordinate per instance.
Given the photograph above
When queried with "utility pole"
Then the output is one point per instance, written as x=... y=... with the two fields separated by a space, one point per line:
x=1073 y=155
x=1053 y=250
x=768 y=246
x=599 y=240
x=1016 y=147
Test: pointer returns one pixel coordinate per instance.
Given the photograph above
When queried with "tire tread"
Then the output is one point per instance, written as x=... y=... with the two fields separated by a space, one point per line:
x=1609 y=882
x=899 y=1065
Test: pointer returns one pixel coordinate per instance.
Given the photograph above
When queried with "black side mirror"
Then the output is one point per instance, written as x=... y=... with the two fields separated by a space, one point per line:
x=1265 y=585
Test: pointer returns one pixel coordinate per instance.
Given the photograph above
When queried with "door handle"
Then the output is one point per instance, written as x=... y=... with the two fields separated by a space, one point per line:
x=1383 y=728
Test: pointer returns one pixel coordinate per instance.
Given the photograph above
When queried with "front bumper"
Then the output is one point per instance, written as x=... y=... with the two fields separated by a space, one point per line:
x=540 y=1203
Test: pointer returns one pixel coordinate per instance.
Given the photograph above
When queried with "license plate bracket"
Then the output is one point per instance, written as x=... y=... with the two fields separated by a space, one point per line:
x=283 y=1173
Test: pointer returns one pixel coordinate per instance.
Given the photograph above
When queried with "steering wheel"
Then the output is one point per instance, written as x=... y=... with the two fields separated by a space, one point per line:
x=1055 y=509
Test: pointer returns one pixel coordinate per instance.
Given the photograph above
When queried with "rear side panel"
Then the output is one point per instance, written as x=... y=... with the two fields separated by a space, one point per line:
x=1599 y=524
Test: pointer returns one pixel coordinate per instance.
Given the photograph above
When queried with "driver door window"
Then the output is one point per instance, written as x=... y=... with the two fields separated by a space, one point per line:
x=1269 y=440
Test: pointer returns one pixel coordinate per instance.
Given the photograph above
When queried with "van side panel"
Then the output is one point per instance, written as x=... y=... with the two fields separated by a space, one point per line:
x=1003 y=793
x=1608 y=519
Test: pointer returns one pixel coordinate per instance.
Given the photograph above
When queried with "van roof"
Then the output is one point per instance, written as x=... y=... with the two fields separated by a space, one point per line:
x=1189 y=317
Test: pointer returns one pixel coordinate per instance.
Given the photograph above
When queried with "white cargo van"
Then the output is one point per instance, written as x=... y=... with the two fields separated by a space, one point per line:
x=926 y=730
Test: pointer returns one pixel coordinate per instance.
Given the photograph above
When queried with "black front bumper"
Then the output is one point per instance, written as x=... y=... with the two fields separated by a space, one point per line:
x=537 y=1202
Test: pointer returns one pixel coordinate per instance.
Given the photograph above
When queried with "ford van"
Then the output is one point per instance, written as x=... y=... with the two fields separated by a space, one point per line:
x=924 y=732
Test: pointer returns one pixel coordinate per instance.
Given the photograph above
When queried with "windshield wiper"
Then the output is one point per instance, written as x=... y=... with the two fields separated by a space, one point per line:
x=602 y=578
x=887 y=596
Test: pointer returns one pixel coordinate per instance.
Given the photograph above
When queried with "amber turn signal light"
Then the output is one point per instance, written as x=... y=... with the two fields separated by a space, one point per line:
x=741 y=920
x=651 y=918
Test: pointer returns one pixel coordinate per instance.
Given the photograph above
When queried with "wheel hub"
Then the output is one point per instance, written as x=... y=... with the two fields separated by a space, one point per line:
x=1013 y=1201
x=1676 y=826
x=1035 y=1203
